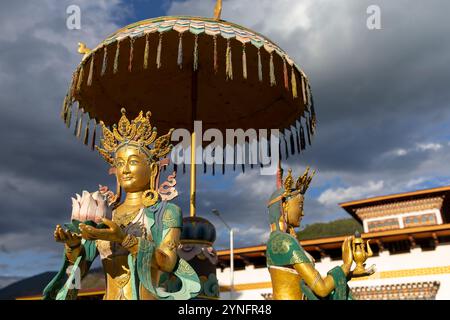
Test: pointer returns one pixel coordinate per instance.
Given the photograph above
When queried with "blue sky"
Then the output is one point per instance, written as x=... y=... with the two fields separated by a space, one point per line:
x=382 y=102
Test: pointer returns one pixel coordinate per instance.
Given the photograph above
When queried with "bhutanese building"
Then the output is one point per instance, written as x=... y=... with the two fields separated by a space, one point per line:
x=410 y=238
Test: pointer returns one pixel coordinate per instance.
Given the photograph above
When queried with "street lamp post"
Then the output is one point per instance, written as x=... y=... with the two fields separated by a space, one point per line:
x=217 y=213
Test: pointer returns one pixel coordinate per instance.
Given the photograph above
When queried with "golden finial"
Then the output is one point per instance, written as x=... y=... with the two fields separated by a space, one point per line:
x=300 y=186
x=288 y=182
x=303 y=182
x=138 y=132
x=218 y=10
x=82 y=49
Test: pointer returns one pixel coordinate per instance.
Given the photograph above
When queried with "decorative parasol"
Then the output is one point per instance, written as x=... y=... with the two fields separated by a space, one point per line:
x=184 y=69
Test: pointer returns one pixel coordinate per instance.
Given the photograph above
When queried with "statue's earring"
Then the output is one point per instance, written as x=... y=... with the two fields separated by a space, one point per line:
x=118 y=192
x=283 y=216
x=151 y=196
x=114 y=199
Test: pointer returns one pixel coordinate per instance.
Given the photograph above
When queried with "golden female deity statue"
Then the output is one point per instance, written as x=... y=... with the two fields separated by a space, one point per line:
x=139 y=244
x=291 y=267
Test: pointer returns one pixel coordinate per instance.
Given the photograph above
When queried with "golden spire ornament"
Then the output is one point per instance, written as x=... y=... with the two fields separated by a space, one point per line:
x=139 y=133
x=218 y=10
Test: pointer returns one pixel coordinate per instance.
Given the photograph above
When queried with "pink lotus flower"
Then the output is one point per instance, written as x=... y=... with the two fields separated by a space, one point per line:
x=90 y=206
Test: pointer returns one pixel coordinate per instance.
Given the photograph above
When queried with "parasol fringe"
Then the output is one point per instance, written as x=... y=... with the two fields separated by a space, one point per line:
x=302 y=136
x=158 y=52
x=294 y=84
x=105 y=60
x=285 y=74
x=94 y=134
x=305 y=101
x=146 y=50
x=308 y=94
x=244 y=62
x=313 y=111
x=86 y=132
x=76 y=121
x=68 y=116
x=91 y=70
x=260 y=76
x=273 y=81
x=229 y=63
x=292 y=141
x=286 y=145
x=80 y=77
x=196 y=53
x=311 y=125
x=74 y=83
x=308 y=132
x=80 y=124
x=297 y=138
x=116 y=58
x=180 y=51
x=280 y=154
x=130 y=63
x=64 y=108
x=216 y=65
x=184 y=168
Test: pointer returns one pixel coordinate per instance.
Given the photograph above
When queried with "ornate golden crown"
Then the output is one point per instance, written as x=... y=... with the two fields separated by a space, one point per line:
x=301 y=185
x=139 y=133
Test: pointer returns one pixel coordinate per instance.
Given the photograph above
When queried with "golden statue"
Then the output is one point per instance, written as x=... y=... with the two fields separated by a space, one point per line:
x=138 y=245
x=360 y=256
x=291 y=267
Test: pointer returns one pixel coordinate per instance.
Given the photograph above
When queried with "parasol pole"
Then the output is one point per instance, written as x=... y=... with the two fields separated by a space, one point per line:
x=194 y=101
x=193 y=175
x=217 y=13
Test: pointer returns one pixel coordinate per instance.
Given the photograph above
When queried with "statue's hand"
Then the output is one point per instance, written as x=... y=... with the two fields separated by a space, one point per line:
x=114 y=233
x=347 y=254
x=70 y=239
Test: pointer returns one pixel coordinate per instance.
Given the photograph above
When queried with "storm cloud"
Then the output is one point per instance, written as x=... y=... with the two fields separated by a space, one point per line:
x=381 y=96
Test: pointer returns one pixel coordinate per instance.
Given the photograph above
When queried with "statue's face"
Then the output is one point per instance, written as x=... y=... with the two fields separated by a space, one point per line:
x=294 y=210
x=133 y=170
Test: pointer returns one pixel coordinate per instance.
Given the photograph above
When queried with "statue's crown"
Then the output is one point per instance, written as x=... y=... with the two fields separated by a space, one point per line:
x=300 y=186
x=139 y=133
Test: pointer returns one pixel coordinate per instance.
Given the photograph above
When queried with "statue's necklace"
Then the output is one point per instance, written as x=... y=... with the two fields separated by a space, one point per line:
x=125 y=219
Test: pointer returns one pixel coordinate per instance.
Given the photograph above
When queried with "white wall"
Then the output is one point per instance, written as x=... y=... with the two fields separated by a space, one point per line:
x=384 y=262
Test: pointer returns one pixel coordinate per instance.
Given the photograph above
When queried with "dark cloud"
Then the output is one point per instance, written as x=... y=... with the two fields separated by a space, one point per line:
x=375 y=91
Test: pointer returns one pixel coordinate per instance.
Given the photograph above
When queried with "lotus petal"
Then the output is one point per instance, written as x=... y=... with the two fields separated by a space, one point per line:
x=75 y=209
x=92 y=208
x=79 y=198
x=101 y=211
x=96 y=196
x=84 y=209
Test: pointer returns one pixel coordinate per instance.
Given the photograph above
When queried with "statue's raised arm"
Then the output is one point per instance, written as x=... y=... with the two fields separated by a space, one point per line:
x=291 y=268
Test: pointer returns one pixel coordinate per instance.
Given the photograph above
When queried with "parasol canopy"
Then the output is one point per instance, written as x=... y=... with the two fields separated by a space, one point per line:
x=190 y=68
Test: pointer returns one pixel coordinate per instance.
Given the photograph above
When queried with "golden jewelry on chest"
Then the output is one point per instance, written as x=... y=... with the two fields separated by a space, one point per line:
x=125 y=219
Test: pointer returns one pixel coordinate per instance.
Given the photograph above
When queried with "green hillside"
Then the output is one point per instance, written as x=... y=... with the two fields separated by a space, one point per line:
x=335 y=228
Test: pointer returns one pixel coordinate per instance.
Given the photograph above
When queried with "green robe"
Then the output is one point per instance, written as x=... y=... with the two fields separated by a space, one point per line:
x=161 y=217
x=284 y=250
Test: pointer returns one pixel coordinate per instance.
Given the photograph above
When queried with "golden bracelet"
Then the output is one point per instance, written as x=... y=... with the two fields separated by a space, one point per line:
x=129 y=241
